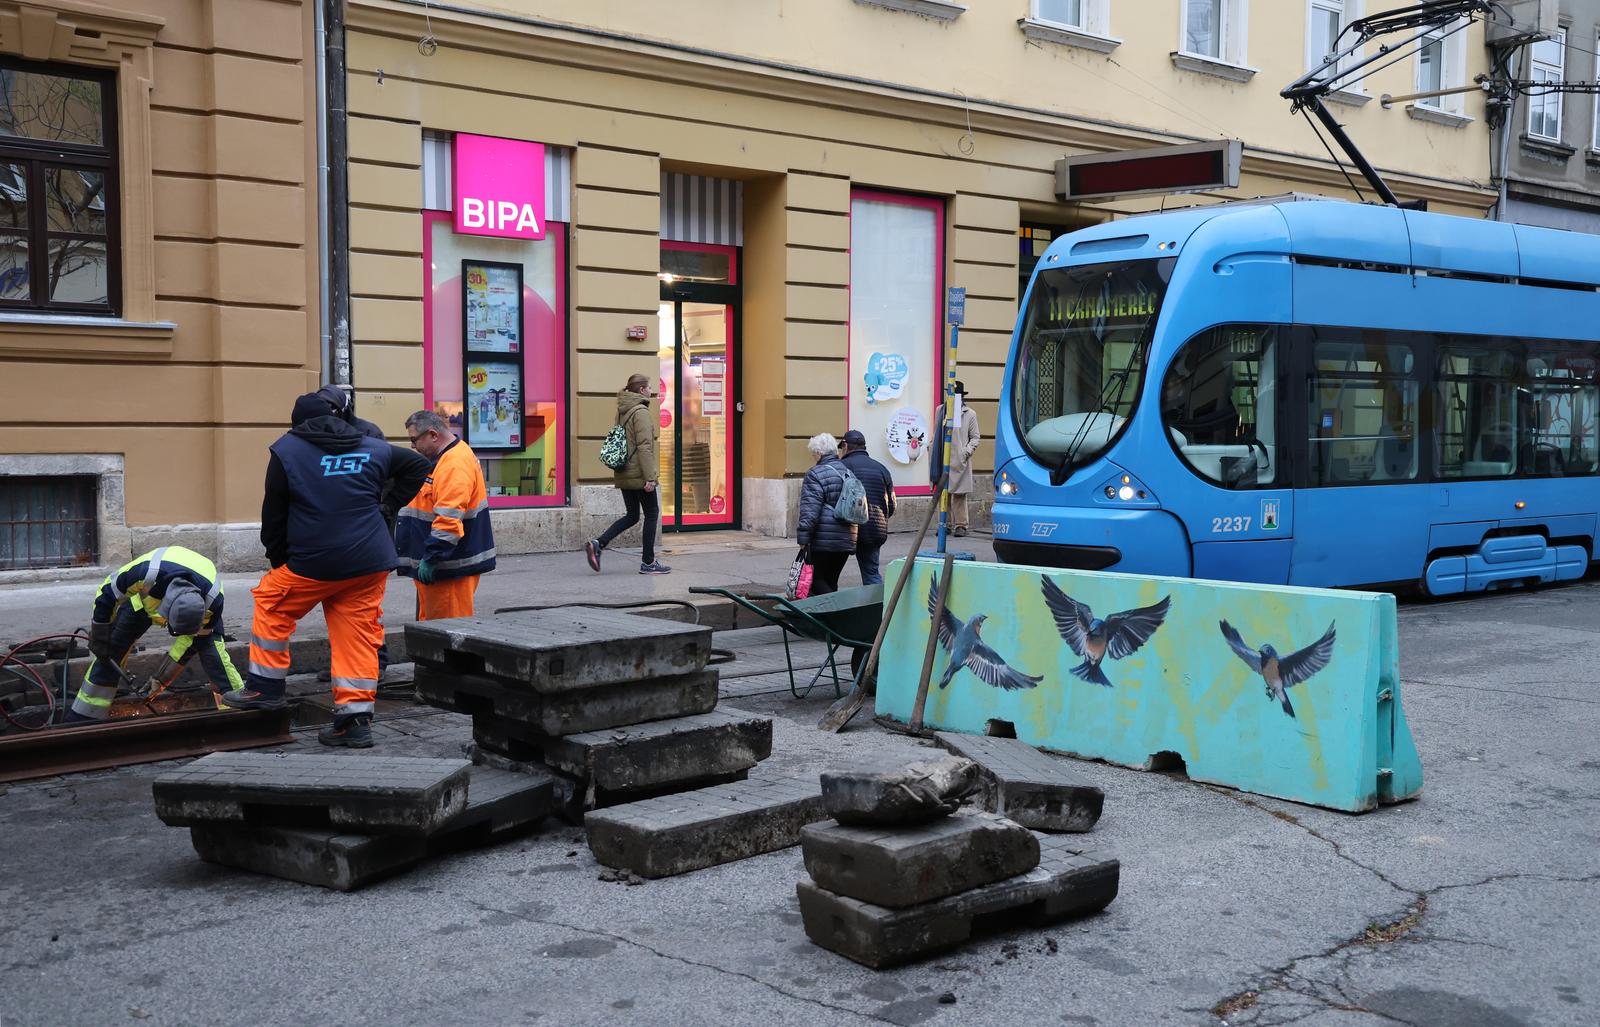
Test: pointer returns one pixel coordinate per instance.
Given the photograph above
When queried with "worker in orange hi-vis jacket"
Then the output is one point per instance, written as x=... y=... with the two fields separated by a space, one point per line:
x=443 y=536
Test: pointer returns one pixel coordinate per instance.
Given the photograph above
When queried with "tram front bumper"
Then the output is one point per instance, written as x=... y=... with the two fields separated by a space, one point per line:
x=1128 y=541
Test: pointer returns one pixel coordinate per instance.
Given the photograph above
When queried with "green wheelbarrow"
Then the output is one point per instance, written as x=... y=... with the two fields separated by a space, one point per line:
x=846 y=619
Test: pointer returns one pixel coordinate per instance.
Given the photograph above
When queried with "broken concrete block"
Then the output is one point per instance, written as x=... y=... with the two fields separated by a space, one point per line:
x=675 y=834
x=575 y=795
x=501 y=805
x=663 y=752
x=559 y=650
x=527 y=713
x=364 y=794
x=907 y=866
x=899 y=792
x=1022 y=783
x=1065 y=883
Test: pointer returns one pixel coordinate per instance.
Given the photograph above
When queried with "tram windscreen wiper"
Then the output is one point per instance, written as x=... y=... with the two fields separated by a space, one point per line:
x=1117 y=379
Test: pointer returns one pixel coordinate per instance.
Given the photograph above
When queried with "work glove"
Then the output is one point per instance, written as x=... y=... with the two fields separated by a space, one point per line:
x=425 y=571
x=163 y=675
x=100 y=640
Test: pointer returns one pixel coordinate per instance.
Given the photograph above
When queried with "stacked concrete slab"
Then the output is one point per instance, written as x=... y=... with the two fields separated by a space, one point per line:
x=617 y=707
x=901 y=872
x=343 y=821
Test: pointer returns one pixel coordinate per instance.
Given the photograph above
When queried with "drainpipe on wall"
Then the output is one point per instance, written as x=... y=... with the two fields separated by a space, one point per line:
x=336 y=196
x=324 y=348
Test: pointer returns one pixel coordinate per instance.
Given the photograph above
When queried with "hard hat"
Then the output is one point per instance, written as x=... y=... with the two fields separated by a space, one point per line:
x=183 y=609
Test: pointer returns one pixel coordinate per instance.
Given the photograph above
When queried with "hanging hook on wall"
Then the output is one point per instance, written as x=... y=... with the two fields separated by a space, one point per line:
x=966 y=144
x=427 y=46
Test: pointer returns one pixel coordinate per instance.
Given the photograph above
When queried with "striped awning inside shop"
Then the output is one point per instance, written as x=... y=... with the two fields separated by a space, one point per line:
x=698 y=208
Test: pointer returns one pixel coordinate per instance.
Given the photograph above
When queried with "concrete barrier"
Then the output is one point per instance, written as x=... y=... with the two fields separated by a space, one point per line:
x=1289 y=692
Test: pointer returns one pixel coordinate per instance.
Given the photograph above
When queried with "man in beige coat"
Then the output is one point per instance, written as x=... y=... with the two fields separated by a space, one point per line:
x=637 y=479
x=963 y=444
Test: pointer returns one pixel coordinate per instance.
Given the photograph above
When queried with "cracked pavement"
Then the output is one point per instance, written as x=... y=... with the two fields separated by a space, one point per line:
x=1472 y=906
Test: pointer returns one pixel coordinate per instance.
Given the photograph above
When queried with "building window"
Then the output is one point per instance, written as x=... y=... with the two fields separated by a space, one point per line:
x=1325 y=19
x=1062 y=12
x=48 y=521
x=896 y=331
x=58 y=189
x=1440 y=65
x=1548 y=66
x=1212 y=30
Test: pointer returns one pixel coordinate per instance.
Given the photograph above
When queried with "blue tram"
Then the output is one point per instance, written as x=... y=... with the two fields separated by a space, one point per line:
x=1306 y=392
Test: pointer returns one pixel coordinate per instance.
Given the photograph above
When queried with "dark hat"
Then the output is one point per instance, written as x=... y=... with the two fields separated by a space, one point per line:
x=312 y=404
x=853 y=439
x=183 y=608
x=958 y=389
x=337 y=398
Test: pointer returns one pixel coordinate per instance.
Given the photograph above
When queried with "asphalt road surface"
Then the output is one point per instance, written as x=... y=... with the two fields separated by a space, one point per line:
x=1473 y=905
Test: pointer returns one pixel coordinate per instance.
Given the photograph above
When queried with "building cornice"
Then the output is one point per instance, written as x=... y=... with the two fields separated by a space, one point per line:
x=608 y=51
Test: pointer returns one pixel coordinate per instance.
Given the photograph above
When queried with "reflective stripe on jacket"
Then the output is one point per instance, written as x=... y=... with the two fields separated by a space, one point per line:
x=448 y=521
x=147 y=577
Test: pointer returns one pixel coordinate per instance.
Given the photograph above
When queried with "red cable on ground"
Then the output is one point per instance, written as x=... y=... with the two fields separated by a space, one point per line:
x=49 y=696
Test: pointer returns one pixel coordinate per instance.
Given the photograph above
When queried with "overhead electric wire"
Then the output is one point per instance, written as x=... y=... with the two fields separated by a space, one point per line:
x=1334 y=157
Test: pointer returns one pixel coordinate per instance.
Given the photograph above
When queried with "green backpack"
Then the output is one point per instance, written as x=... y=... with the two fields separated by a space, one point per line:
x=614 y=450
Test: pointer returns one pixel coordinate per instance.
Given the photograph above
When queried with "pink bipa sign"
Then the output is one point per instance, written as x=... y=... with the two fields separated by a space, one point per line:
x=499 y=187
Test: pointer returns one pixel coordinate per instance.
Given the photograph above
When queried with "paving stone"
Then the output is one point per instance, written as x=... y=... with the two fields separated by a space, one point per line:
x=560 y=650
x=366 y=794
x=575 y=795
x=908 y=866
x=675 y=834
x=501 y=805
x=526 y=713
x=897 y=791
x=1066 y=883
x=663 y=752
x=1022 y=783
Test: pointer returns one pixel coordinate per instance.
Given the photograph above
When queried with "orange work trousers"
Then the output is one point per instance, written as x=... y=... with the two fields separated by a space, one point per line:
x=353 y=608
x=445 y=599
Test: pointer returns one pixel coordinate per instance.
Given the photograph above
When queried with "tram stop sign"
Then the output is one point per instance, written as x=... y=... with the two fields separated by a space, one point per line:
x=955 y=306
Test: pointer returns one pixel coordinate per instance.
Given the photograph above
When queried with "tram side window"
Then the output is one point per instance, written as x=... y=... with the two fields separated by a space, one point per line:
x=1220 y=405
x=1479 y=433
x=1564 y=401
x=1362 y=406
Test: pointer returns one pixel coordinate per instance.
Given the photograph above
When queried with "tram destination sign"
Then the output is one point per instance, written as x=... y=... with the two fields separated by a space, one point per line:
x=1160 y=169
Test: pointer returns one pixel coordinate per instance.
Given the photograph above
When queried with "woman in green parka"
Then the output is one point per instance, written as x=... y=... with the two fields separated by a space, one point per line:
x=636 y=478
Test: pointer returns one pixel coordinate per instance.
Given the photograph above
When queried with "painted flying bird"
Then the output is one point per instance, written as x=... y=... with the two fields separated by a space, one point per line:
x=1116 y=637
x=1282 y=673
x=960 y=639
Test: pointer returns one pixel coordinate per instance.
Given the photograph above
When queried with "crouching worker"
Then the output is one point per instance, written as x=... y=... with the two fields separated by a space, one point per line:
x=171 y=587
x=327 y=542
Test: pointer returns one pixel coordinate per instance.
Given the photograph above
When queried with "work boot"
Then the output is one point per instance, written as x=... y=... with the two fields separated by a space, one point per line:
x=75 y=719
x=353 y=732
x=591 y=549
x=247 y=698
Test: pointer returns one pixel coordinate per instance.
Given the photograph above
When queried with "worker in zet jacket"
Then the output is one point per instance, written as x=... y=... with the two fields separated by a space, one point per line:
x=444 y=536
x=173 y=587
x=327 y=543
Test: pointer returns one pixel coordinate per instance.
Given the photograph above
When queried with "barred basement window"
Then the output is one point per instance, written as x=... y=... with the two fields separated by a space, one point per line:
x=58 y=189
x=48 y=521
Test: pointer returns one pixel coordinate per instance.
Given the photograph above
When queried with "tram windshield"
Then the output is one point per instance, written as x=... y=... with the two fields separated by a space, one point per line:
x=1082 y=355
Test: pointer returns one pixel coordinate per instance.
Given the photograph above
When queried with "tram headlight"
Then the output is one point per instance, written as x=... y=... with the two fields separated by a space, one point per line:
x=1125 y=492
x=1007 y=487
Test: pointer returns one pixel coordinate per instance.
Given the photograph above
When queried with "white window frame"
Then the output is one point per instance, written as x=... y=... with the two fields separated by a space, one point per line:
x=1092 y=33
x=1350 y=93
x=1452 y=59
x=1232 y=49
x=1558 y=72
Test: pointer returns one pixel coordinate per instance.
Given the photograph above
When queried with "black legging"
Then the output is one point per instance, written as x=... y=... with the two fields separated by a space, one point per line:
x=633 y=500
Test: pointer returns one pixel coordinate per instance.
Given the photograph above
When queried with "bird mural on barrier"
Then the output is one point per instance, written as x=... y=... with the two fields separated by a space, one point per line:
x=1282 y=673
x=1096 y=640
x=960 y=639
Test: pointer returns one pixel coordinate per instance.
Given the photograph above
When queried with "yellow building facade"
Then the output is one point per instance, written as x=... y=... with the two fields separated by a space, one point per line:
x=758 y=204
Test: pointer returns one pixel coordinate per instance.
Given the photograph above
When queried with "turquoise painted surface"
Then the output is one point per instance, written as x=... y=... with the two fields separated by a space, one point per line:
x=1183 y=689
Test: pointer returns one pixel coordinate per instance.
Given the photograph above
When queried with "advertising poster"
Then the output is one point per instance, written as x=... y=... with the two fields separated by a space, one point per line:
x=493 y=307
x=494 y=404
x=907 y=436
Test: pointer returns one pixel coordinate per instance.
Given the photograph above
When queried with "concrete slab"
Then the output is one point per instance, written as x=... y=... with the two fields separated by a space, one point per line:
x=664 y=752
x=912 y=865
x=529 y=714
x=560 y=650
x=576 y=795
x=501 y=805
x=898 y=791
x=368 y=794
x=1066 y=883
x=1024 y=784
x=676 y=834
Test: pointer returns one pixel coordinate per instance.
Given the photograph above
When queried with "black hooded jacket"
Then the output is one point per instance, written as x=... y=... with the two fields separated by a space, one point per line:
x=321 y=514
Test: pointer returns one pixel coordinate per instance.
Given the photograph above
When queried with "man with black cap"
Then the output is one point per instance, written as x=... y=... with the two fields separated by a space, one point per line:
x=963 y=443
x=875 y=478
x=326 y=540
x=173 y=587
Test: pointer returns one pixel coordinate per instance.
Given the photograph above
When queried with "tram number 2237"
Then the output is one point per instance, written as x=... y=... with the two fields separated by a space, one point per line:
x=1228 y=525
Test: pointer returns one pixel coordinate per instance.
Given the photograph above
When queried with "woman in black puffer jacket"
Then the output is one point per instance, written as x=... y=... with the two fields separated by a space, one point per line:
x=830 y=540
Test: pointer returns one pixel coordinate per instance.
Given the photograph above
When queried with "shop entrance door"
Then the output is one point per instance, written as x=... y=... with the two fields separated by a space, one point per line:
x=699 y=330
